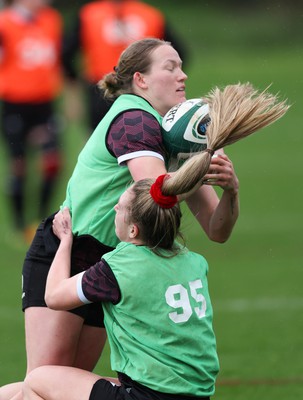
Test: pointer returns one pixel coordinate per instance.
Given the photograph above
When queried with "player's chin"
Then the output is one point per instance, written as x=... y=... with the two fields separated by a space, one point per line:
x=181 y=96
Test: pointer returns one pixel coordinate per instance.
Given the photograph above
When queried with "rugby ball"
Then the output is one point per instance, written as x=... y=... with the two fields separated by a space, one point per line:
x=184 y=127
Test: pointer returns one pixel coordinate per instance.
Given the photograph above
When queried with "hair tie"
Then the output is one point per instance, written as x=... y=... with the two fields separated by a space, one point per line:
x=157 y=195
x=209 y=151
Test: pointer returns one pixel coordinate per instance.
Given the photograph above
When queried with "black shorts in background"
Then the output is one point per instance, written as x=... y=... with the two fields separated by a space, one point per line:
x=19 y=119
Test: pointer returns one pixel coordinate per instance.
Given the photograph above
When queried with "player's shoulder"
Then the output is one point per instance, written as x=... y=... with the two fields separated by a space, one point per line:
x=138 y=112
x=121 y=250
x=197 y=259
x=137 y=117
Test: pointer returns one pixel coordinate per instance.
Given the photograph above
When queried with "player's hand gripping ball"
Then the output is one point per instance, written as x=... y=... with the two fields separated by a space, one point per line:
x=184 y=127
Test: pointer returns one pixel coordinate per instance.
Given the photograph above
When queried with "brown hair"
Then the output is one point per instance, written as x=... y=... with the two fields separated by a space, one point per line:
x=135 y=58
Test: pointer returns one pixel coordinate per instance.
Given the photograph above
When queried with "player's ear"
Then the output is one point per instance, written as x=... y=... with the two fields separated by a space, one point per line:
x=139 y=80
x=133 y=231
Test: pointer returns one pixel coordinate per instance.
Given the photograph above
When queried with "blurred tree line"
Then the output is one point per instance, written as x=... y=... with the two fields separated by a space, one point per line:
x=235 y=4
x=280 y=19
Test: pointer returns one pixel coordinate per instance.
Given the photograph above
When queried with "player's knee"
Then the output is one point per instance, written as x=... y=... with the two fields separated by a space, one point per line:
x=51 y=165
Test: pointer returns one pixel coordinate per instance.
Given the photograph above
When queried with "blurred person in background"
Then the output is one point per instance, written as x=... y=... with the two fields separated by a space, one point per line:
x=30 y=52
x=102 y=30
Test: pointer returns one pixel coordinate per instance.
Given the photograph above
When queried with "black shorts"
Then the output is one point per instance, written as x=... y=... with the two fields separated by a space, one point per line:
x=105 y=390
x=86 y=251
x=18 y=121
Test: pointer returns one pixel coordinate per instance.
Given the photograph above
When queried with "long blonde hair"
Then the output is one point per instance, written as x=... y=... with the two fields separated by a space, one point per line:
x=236 y=112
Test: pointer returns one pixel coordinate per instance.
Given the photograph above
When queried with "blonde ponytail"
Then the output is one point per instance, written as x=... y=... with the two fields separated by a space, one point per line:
x=236 y=111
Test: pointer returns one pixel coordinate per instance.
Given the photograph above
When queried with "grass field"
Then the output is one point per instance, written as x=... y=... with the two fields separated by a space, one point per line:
x=256 y=277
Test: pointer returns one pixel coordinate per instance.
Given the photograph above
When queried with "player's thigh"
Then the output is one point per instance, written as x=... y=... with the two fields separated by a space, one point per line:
x=90 y=347
x=51 y=337
x=59 y=383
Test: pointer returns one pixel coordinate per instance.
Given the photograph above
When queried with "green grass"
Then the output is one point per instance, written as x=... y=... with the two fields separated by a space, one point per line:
x=256 y=277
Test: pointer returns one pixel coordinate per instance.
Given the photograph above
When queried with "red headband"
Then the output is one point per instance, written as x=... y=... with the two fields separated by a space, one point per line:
x=159 y=198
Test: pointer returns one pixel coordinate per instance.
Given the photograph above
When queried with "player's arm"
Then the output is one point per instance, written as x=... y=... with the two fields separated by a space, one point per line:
x=61 y=289
x=63 y=292
x=204 y=203
x=217 y=216
x=152 y=167
x=136 y=147
x=146 y=167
